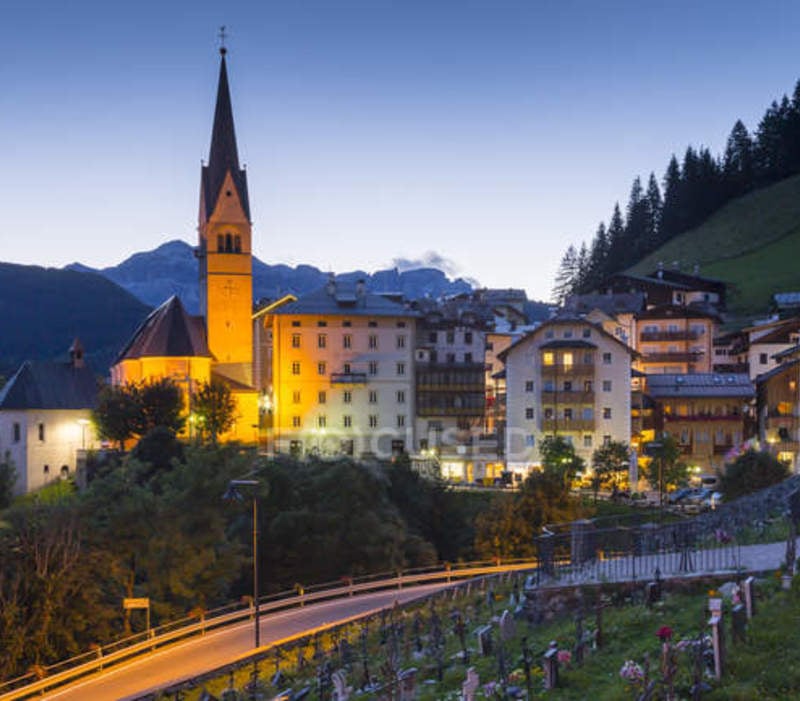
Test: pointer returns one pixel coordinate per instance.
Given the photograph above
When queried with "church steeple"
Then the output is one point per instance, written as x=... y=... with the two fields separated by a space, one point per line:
x=223 y=156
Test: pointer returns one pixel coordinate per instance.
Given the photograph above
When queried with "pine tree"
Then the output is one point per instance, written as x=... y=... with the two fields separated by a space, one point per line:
x=566 y=277
x=636 y=224
x=737 y=163
x=771 y=146
x=671 y=217
x=654 y=205
x=616 y=243
x=598 y=258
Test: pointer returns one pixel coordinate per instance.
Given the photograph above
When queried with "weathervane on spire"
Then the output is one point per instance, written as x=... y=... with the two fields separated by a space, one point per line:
x=222 y=36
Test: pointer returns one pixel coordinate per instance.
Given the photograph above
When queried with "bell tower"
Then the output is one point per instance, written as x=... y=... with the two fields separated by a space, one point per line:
x=224 y=250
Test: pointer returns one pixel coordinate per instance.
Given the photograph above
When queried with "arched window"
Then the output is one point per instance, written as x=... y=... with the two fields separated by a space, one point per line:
x=228 y=243
x=64 y=471
x=46 y=469
x=220 y=243
x=237 y=244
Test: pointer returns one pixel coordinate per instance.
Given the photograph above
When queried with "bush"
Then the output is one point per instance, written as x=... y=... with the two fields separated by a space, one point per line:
x=751 y=472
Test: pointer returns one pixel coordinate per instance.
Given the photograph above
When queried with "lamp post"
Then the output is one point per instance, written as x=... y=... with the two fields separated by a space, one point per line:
x=233 y=493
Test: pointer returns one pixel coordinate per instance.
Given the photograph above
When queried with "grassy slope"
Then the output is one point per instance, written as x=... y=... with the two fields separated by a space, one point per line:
x=750 y=243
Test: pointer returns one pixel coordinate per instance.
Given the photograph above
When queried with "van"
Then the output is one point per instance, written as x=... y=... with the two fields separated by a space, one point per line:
x=709 y=482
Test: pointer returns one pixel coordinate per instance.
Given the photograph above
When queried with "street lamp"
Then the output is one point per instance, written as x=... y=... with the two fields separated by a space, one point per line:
x=233 y=493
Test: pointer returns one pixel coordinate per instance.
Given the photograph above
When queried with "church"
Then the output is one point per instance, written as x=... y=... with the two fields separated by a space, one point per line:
x=217 y=345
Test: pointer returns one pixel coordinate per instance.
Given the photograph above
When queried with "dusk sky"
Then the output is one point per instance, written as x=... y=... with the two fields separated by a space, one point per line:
x=491 y=134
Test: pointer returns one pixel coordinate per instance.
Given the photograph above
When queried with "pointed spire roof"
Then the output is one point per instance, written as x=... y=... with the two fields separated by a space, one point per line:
x=224 y=155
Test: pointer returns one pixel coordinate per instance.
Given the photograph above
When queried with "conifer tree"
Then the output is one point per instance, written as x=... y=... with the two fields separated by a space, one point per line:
x=737 y=163
x=636 y=225
x=670 y=210
x=567 y=276
x=654 y=205
x=616 y=243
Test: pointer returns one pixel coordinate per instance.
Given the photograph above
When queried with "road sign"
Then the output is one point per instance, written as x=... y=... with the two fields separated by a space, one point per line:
x=140 y=603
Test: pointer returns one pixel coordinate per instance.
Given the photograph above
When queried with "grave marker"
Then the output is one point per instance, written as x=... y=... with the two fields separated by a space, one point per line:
x=749 y=596
x=717 y=645
x=551 y=666
x=470 y=685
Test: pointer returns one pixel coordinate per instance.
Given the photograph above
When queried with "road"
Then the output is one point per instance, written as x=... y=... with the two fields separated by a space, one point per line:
x=217 y=648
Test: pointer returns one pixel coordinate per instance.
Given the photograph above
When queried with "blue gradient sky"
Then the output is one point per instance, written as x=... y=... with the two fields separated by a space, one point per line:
x=492 y=133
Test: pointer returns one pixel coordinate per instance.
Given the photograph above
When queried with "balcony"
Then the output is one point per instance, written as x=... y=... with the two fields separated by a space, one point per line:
x=561 y=370
x=645 y=336
x=567 y=397
x=677 y=418
x=672 y=357
x=463 y=411
x=348 y=378
x=723 y=449
x=568 y=424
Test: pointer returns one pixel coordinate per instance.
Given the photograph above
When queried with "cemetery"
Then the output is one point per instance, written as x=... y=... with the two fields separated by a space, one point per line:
x=720 y=637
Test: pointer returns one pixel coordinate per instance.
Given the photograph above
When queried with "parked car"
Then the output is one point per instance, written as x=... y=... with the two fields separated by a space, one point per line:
x=678 y=495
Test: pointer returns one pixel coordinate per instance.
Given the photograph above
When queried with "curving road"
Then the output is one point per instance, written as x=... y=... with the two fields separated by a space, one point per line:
x=220 y=647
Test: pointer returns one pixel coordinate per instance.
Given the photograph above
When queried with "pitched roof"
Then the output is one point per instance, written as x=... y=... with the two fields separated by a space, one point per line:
x=561 y=321
x=701 y=384
x=223 y=156
x=43 y=385
x=168 y=332
x=344 y=300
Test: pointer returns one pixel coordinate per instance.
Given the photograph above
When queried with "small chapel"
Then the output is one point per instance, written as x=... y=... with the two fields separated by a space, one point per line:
x=218 y=344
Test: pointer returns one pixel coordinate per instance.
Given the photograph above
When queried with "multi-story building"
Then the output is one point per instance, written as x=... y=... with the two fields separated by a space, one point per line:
x=765 y=341
x=451 y=389
x=341 y=376
x=708 y=414
x=778 y=408
x=674 y=339
x=567 y=378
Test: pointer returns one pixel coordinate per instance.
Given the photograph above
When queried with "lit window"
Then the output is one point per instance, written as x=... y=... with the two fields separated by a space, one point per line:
x=548 y=358
x=567 y=359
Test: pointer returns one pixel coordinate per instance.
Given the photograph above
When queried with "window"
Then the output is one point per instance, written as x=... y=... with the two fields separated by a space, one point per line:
x=321 y=368
x=467 y=357
x=549 y=386
x=762 y=358
x=567 y=386
x=606 y=412
x=548 y=358
x=296 y=396
x=401 y=420
x=347 y=421
x=373 y=396
x=373 y=421
x=322 y=421
x=401 y=324
x=587 y=359
x=529 y=412
x=17 y=433
x=530 y=440
x=373 y=341
x=401 y=341
x=567 y=359
x=529 y=385
x=606 y=385
x=322 y=397
x=220 y=243
x=606 y=358
x=587 y=333
x=373 y=367
x=322 y=340
x=46 y=469
x=296 y=423
x=41 y=432
x=568 y=414
x=468 y=338
x=401 y=396
x=295 y=322
x=451 y=338
x=346 y=446
x=588 y=413
x=451 y=358
x=548 y=414
x=347 y=396
x=606 y=439
x=347 y=369
x=549 y=333
x=587 y=440
x=295 y=340
x=295 y=368
x=347 y=323
x=568 y=333
x=237 y=244
x=372 y=324
x=587 y=386
x=401 y=368
x=489 y=345
x=432 y=337
x=322 y=323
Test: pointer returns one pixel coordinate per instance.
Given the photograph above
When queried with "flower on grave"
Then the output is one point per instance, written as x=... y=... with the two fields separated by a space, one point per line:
x=712 y=592
x=516 y=677
x=564 y=657
x=664 y=634
x=631 y=672
x=490 y=689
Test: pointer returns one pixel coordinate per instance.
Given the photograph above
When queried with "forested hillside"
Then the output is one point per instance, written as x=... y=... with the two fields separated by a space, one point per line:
x=693 y=189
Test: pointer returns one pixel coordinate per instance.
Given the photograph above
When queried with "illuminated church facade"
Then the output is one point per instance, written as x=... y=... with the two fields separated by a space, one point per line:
x=217 y=344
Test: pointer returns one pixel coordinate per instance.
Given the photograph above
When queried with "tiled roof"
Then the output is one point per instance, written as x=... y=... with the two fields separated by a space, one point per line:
x=42 y=385
x=701 y=384
x=168 y=332
x=344 y=300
